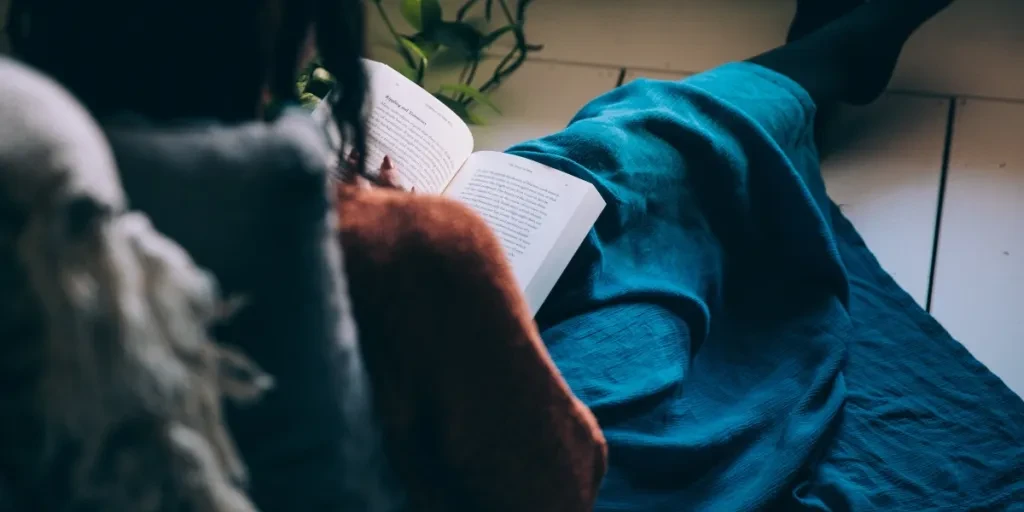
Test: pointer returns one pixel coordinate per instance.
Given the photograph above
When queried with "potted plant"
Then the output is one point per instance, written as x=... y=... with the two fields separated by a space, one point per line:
x=463 y=41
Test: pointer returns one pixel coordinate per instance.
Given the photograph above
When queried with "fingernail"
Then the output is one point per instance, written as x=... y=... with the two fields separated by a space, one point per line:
x=387 y=164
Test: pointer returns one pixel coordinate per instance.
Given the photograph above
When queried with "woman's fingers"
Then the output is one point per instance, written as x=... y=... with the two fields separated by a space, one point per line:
x=386 y=176
x=389 y=174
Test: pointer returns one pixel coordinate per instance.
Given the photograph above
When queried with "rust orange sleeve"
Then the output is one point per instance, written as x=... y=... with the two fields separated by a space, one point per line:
x=475 y=414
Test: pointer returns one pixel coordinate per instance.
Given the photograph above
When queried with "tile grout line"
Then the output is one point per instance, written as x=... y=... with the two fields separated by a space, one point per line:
x=974 y=97
x=894 y=90
x=684 y=74
x=534 y=58
x=943 y=181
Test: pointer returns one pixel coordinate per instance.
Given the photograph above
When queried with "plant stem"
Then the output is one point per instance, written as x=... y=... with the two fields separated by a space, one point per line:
x=521 y=10
x=517 y=56
x=464 y=10
x=472 y=69
x=508 y=12
x=508 y=65
x=503 y=72
x=462 y=79
x=409 y=61
x=469 y=78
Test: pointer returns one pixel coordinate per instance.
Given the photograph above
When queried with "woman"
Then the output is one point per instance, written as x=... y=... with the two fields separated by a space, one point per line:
x=738 y=343
x=716 y=321
x=481 y=426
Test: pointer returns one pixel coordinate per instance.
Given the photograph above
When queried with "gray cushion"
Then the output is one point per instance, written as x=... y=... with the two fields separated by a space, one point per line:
x=250 y=203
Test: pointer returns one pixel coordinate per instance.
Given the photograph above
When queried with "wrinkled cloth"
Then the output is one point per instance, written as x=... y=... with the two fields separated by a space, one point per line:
x=740 y=346
x=474 y=414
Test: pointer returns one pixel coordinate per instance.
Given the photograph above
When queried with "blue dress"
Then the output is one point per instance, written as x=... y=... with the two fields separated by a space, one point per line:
x=740 y=346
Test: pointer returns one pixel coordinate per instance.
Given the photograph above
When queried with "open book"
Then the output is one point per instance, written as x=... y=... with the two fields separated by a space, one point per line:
x=541 y=215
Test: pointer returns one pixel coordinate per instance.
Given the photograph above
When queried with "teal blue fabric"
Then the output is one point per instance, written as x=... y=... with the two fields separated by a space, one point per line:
x=740 y=346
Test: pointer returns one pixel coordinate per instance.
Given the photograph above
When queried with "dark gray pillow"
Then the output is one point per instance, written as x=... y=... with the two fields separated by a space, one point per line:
x=250 y=203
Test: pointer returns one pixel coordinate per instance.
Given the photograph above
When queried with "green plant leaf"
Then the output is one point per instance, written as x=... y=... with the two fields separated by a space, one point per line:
x=322 y=74
x=309 y=100
x=471 y=92
x=429 y=48
x=319 y=83
x=407 y=72
x=414 y=49
x=475 y=119
x=479 y=23
x=421 y=14
x=458 y=35
x=460 y=110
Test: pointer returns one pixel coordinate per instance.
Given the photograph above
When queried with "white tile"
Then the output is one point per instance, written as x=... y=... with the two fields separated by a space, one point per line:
x=885 y=170
x=677 y=35
x=975 y=48
x=979 y=282
x=540 y=99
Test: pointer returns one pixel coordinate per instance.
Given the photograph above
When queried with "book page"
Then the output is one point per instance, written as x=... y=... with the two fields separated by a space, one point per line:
x=534 y=210
x=427 y=142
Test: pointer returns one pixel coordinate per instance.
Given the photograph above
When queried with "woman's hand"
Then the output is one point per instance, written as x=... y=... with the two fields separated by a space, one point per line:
x=386 y=175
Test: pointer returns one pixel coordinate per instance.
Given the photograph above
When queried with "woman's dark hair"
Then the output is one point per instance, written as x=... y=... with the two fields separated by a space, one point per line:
x=194 y=58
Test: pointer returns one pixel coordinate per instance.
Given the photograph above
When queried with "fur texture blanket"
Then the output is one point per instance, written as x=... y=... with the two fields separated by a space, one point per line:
x=106 y=363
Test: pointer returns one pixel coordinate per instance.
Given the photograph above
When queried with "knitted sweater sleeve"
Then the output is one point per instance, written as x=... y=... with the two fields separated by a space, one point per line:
x=475 y=414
